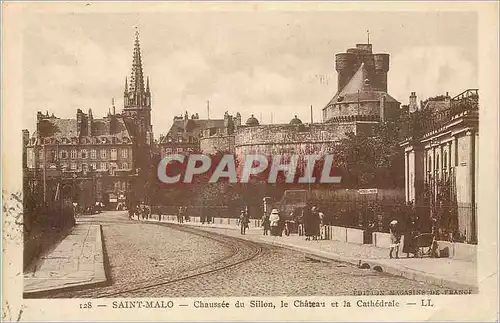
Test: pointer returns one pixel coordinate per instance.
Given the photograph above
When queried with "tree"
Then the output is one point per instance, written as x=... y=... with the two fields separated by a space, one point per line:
x=372 y=161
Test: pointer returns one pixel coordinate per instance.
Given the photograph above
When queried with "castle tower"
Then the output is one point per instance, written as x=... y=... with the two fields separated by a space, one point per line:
x=349 y=62
x=362 y=88
x=137 y=96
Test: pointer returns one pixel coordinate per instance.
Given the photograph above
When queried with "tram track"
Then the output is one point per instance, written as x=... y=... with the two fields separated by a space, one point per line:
x=241 y=252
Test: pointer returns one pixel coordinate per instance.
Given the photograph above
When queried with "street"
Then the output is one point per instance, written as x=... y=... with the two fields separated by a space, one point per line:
x=164 y=260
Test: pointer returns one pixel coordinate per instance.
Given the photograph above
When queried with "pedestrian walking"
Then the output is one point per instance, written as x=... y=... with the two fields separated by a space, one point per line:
x=395 y=238
x=321 y=219
x=313 y=224
x=274 y=220
x=266 y=224
x=180 y=215
x=243 y=222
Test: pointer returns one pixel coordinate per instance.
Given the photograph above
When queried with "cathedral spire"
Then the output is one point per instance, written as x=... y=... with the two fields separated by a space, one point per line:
x=126 y=85
x=147 y=84
x=136 y=77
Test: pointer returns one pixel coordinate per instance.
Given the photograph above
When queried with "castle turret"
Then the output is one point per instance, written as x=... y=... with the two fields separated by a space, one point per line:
x=345 y=64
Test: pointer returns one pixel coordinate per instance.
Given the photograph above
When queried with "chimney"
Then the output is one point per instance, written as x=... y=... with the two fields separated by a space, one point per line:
x=90 y=120
x=413 y=103
x=238 y=119
x=79 y=122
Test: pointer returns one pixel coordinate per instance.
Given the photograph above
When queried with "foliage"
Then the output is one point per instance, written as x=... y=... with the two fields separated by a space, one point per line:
x=372 y=161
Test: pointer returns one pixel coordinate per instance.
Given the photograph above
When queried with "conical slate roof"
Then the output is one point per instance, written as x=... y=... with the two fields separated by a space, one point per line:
x=359 y=89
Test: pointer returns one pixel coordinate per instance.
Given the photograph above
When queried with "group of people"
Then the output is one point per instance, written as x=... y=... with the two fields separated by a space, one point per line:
x=140 y=211
x=411 y=234
x=312 y=222
x=309 y=223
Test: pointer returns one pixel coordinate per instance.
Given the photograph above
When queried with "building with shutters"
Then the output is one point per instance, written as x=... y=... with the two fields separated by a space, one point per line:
x=97 y=159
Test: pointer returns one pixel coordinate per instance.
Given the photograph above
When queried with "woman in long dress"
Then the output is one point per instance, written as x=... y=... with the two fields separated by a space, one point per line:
x=274 y=220
x=395 y=238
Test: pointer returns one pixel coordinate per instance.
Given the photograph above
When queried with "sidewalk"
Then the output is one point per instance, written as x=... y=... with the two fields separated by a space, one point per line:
x=446 y=272
x=77 y=261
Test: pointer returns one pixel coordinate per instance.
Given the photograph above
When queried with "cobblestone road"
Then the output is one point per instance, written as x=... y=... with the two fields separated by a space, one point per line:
x=142 y=253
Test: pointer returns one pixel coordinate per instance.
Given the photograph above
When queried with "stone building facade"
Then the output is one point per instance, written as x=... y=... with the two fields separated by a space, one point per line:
x=443 y=150
x=98 y=157
x=193 y=135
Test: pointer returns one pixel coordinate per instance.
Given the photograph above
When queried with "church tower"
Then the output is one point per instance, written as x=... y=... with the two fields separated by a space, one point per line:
x=137 y=97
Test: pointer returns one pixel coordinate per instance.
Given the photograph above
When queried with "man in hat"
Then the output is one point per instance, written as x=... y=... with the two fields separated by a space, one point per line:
x=395 y=238
x=243 y=221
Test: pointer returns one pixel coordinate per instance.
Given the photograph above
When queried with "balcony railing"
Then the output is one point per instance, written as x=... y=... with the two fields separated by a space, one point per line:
x=425 y=121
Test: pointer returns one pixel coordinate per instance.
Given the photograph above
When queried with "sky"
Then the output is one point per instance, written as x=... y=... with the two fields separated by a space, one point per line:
x=273 y=64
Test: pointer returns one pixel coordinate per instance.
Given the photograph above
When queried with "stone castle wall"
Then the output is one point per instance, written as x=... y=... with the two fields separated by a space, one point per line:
x=283 y=139
x=211 y=145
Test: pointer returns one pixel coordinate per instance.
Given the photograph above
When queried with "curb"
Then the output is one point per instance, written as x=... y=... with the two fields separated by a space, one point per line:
x=98 y=280
x=392 y=270
x=367 y=263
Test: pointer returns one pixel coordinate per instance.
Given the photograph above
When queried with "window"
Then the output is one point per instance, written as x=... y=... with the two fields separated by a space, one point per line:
x=30 y=156
x=114 y=154
x=124 y=165
x=104 y=154
x=445 y=164
x=64 y=154
x=73 y=166
x=64 y=166
x=105 y=166
x=53 y=155
x=84 y=167
x=93 y=165
x=84 y=153
x=168 y=150
x=179 y=150
x=93 y=154
x=73 y=154
x=125 y=153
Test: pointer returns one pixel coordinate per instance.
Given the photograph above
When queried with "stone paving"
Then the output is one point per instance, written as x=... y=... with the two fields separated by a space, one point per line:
x=140 y=253
x=76 y=261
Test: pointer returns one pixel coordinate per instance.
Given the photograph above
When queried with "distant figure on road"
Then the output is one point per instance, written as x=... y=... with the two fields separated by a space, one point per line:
x=395 y=238
x=266 y=224
x=243 y=222
x=180 y=215
x=274 y=220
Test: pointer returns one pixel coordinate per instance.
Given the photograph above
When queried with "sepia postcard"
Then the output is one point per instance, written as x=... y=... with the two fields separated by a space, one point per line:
x=250 y=161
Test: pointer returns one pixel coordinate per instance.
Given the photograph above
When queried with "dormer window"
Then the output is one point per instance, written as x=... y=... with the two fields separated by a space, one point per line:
x=103 y=141
x=340 y=98
x=169 y=139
